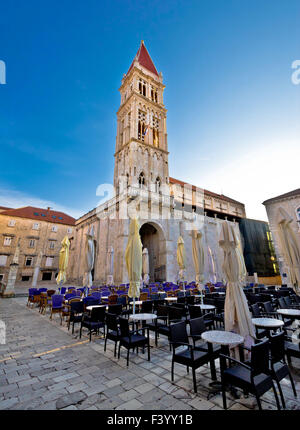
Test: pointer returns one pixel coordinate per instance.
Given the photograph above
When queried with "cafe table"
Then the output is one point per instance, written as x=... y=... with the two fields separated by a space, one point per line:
x=291 y=313
x=269 y=324
x=226 y=339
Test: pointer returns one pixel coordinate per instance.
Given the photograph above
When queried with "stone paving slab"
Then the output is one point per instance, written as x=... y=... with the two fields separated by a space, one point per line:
x=43 y=366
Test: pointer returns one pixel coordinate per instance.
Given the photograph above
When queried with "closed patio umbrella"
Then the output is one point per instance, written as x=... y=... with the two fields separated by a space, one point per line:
x=198 y=259
x=290 y=246
x=133 y=259
x=89 y=257
x=237 y=315
x=181 y=258
x=146 y=266
x=63 y=261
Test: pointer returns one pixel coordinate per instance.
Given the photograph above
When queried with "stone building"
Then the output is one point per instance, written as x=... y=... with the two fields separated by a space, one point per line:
x=166 y=207
x=285 y=206
x=39 y=233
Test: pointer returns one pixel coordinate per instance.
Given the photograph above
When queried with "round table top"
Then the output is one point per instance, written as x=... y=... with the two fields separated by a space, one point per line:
x=289 y=312
x=137 y=302
x=267 y=322
x=171 y=299
x=222 y=337
x=89 y=308
x=206 y=307
x=142 y=317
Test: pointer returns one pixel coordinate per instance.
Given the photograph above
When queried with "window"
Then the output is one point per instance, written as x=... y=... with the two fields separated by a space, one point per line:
x=46 y=276
x=25 y=278
x=1 y=277
x=28 y=261
x=155 y=125
x=69 y=230
x=298 y=216
x=36 y=213
x=157 y=185
x=31 y=243
x=154 y=94
x=54 y=228
x=141 y=125
x=49 y=261
x=3 y=260
x=141 y=180
x=51 y=244
x=142 y=87
x=36 y=226
x=7 y=241
x=11 y=223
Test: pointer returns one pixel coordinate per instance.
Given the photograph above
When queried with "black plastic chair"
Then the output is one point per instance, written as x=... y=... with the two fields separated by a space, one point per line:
x=189 y=356
x=115 y=309
x=147 y=306
x=94 y=322
x=161 y=322
x=197 y=327
x=131 y=339
x=252 y=377
x=290 y=304
x=194 y=311
x=256 y=313
x=112 y=330
x=279 y=368
x=76 y=313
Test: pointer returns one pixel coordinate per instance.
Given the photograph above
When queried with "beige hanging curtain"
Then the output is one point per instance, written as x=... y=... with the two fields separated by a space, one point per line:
x=290 y=247
x=237 y=314
x=133 y=259
x=198 y=258
x=181 y=258
x=63 y=261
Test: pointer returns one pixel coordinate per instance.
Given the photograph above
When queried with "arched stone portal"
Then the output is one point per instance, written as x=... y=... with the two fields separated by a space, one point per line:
x=152 y=238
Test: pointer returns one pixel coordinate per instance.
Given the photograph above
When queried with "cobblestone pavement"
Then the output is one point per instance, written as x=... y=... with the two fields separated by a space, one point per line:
x=43 y=366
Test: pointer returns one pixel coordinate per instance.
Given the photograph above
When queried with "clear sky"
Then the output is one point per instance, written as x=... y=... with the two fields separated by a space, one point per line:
x=233 y=111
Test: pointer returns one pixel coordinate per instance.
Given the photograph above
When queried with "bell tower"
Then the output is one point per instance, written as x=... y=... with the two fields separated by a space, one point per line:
x=141 y=156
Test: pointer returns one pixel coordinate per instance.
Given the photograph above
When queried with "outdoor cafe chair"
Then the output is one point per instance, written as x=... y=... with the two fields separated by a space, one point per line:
x=43 y=302
x=252 y=377
x=76 y=312
x=90 y=301
x=161 y=322
x=189 y=356
x=290 y=304
x=112 y=299
x=131 y=339
x=146 y=306
x=93 y=322
x=278 y=367
x=257 y=313
x=116 y=309
x=57 y=305
x=197 y=327
x=112 y=330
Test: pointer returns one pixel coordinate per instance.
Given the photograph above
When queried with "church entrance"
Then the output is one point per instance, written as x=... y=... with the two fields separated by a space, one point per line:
x=153 y=239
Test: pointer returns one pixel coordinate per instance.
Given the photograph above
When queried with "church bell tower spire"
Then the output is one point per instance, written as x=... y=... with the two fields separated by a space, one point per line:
x=141 y=156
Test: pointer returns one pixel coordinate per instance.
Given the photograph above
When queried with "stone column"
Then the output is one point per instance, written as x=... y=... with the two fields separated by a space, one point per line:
x=37 y=270
x=9 y=290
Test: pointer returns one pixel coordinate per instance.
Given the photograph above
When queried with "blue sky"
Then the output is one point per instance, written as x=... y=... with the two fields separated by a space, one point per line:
x=233 y=111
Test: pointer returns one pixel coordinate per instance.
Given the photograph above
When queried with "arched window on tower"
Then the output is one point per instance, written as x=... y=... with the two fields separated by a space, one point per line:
x=142 y=87
x=141 y=125
x=155 y=125
x=298 y=216
x=141 y=180
x=157 y=185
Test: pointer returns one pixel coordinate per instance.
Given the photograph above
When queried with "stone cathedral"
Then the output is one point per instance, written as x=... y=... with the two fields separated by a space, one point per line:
x=166 y=207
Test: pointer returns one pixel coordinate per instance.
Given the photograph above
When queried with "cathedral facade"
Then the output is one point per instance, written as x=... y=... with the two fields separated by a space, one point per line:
x=166 y=207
